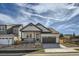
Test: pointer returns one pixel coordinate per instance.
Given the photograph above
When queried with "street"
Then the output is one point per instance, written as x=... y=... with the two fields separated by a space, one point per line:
x=39 y=54
x=12 y=54
x=54 y=54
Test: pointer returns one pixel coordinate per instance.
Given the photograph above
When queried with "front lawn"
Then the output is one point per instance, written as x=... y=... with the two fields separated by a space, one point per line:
x=77 y=49
x=40 y=50
x=71 y=44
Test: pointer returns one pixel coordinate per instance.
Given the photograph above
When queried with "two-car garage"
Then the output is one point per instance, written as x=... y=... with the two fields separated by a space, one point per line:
x=6 y=39
x=50 y=38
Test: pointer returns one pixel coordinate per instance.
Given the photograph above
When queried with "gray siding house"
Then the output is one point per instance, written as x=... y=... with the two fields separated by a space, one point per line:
x=39 y=33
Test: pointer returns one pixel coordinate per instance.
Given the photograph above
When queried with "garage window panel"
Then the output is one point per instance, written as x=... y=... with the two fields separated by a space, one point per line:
x=49 y=40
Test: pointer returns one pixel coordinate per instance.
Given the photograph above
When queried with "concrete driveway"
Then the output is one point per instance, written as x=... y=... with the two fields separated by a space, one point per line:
x=57 y=48
x=55 y=45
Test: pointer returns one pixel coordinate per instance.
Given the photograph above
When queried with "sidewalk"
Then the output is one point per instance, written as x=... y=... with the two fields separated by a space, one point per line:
x=53 y=54
x=60 y=50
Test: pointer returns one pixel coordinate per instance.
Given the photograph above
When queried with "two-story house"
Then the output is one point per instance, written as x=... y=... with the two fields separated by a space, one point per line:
x=9 y=33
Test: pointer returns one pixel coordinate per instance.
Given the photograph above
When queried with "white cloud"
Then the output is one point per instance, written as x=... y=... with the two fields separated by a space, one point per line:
x=6 y=18
x=76 y=12
x=28 y=15
x=65 y=26
x=62 y=11
x=47 y=6
x=21 y=4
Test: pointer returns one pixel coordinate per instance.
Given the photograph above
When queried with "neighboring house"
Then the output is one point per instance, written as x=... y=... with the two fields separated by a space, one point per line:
x=69 y=38
x=65 y=38
x=38 y=33
x=7 y=39
x=75 y=38
x=9 y=33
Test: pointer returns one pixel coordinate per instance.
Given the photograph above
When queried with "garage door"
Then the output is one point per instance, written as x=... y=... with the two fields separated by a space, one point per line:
x=49 y=40
x=6 y=41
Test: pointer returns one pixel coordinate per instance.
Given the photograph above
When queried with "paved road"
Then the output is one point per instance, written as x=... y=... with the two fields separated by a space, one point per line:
x=39 y=54
x=12 y=54
x=54 y=54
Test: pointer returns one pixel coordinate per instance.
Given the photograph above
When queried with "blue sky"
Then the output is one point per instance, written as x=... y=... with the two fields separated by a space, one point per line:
x=64 y=17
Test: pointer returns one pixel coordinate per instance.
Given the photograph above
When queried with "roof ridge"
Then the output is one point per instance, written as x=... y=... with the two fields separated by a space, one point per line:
x=53 y=29
x=43 y=26
x=31 y=24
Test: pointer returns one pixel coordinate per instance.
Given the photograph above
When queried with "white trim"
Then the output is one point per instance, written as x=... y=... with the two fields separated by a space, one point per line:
x=50 y=35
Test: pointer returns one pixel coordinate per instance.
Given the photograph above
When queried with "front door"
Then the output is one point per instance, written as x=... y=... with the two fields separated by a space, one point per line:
x=37 y=37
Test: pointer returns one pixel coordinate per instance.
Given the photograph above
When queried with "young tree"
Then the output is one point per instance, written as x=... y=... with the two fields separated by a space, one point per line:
x=61 y=35
x=73 y=35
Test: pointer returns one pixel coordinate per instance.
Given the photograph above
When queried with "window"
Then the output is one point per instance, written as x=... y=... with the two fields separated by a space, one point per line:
x=2 y=28
x=37 y=39
x=22 y=39
x=37 y=35
x=15 y=30
x=27 y=36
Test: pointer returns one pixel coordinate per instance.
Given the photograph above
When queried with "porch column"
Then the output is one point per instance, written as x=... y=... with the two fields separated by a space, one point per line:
x=41 y=38
x=34 y=37
x=57 y=39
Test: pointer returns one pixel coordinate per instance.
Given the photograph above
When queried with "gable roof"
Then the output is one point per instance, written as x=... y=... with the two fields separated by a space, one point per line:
x=53 y=31
x=17 y=25
x=43 y=28
x=30 y=27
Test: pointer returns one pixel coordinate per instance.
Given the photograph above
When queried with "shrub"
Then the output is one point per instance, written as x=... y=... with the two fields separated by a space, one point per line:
x=17 y=42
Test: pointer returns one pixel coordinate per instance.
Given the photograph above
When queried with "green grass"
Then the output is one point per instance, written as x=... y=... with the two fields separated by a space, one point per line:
x=71 y=44
x=77 y=49
x=39 y=51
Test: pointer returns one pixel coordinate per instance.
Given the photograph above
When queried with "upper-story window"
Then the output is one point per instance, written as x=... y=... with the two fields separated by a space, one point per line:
x=2 y=28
